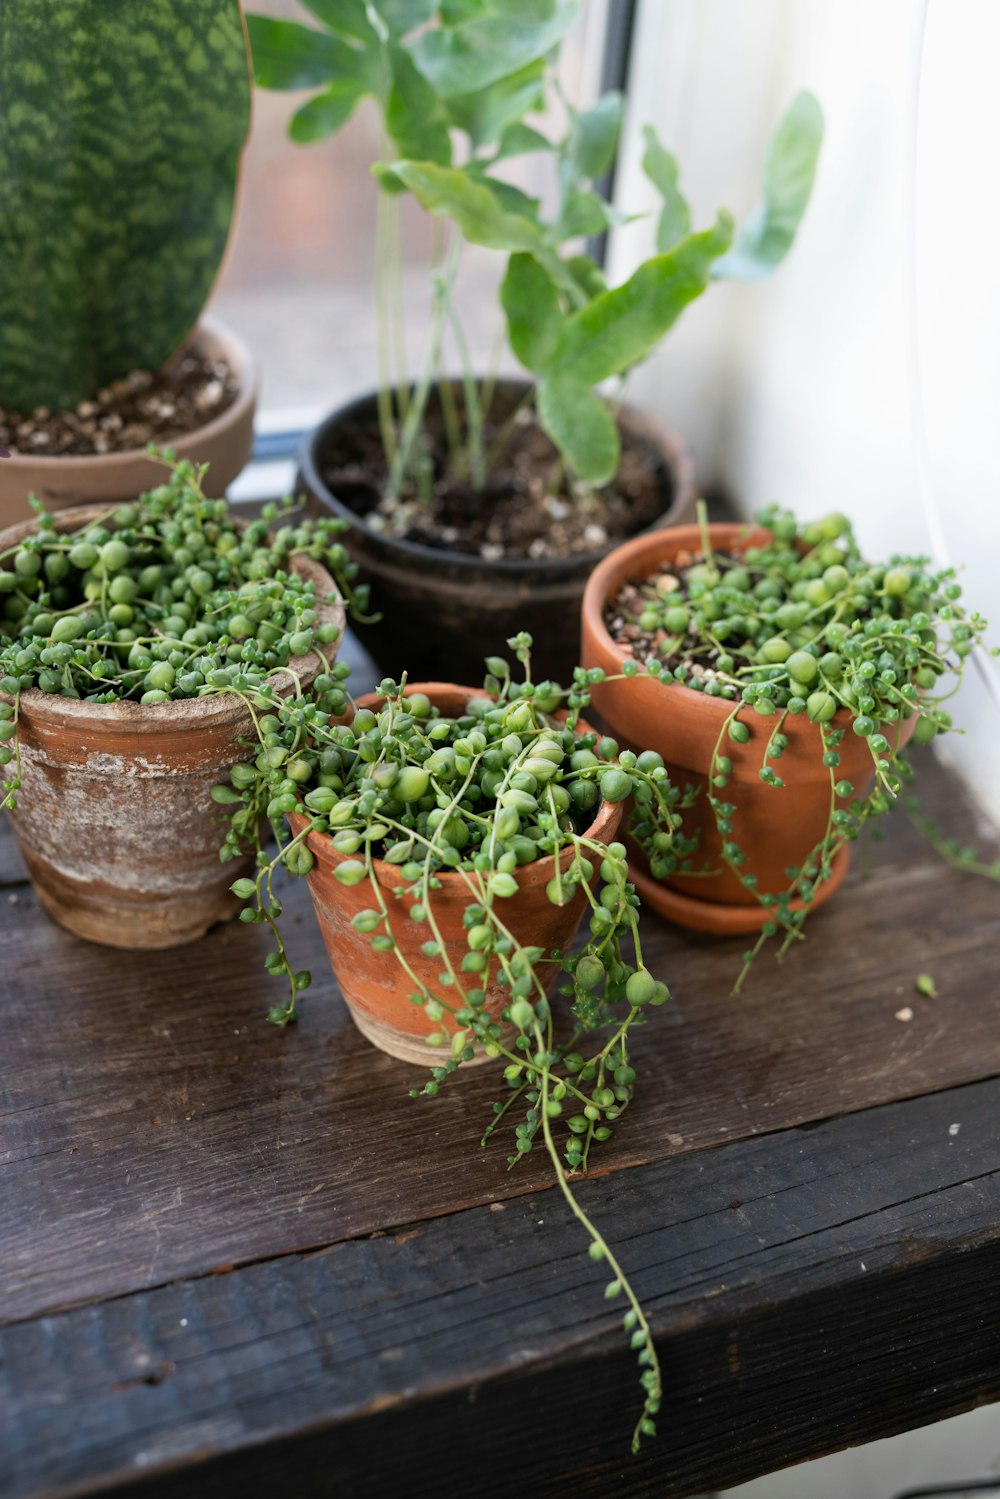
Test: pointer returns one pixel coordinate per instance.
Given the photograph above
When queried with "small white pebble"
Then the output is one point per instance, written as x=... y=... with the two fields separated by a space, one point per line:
x=184 y=1322
x=595 y=535
x=953 y=1129
x=863 y=1265
x=905 y=1013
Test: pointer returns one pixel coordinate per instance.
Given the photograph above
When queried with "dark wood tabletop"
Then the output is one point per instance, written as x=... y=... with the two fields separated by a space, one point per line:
x=235 y=1261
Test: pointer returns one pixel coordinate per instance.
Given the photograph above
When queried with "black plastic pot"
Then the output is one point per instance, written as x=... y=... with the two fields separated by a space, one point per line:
x=444 y=611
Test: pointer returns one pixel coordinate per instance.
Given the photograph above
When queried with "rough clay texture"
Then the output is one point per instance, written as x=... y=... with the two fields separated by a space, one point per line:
x=114 y=816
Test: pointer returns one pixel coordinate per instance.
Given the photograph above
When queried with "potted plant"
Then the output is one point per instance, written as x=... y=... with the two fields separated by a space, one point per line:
x=131 y=640
x=120 y=142
x=452 y=839
x=477 y=503
x=784 y=677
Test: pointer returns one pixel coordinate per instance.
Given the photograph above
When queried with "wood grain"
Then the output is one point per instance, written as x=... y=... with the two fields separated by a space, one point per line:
x=152 y=1125
x=808 y=1290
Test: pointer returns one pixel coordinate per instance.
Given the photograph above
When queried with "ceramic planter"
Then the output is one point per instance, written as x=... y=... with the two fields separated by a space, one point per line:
x=776 y=827
x=114 y=817
x=374 y=985
x=468 y=607
x=224 y=444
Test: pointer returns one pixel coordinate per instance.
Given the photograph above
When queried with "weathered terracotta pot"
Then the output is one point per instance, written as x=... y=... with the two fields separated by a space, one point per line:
x=374 y=985
x=224 y=444
x=114 y=817
x=776 y=827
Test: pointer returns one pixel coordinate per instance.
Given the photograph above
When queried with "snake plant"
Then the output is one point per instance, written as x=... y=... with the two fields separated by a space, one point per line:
x=121 y=128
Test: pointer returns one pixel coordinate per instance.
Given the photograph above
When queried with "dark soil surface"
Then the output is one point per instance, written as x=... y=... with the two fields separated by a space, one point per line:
x=130 y=413
x=621 y=616
x=528 y=509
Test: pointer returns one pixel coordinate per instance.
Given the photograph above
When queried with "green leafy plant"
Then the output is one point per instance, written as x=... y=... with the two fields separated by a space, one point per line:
x=120 y=138
x=480 y=796
x=801 y=627
x=166 y=598
x=455 y=99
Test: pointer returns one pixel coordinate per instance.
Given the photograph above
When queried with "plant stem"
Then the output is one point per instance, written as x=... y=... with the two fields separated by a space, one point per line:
x=383 y=271
x=473 y=404
x=418 y=406
x=654 y=1389
x=706 y=536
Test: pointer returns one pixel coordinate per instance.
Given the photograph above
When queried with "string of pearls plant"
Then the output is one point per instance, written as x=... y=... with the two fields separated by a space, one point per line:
x=166 y=598
x=802 y=627
x=515 y=778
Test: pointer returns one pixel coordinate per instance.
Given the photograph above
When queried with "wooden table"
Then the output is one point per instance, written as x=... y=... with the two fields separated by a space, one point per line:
x=240 y=1262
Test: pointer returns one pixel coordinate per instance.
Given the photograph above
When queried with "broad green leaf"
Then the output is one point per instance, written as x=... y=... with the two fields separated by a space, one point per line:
x=488 y=112
x=531 y=305
x=593 y=138
x=120 y=139
x=520 y=140
x=581 y=426
x=622 y=326
x=413 y=115
x=345 y=17
x=404 y=16
x=512 y=199
x=789 y=173
x=289 y=56
x=324 y=113
x=660 y=166
x=466 y=58
x=478 y=213
x=587 y=274
x=583 y=213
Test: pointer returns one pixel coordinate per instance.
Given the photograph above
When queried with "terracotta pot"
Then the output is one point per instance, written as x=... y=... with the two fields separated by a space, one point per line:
x=224 y=444
x=374 y=985
x=114 y=817
x=776 y=827
x=468 y=607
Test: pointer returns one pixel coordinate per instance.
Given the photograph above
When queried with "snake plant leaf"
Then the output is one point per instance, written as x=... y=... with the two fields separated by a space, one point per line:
x=660 y=166
x=581 y=426
x=532 y=308
x=121 y=128
x=469 y=57
x=789 y=173
x=621 y=326
x=287 y=55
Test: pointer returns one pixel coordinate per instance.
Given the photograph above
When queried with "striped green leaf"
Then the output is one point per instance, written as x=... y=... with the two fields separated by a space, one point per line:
x=121 y=127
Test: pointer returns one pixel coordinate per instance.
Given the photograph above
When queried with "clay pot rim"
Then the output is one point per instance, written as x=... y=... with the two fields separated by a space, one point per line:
x=238 y=357
x=183 y=714
x=663 y=438
x=636 y=560
x=606 y=818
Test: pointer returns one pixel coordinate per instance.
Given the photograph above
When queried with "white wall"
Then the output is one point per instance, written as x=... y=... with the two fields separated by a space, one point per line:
x=866 y=375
